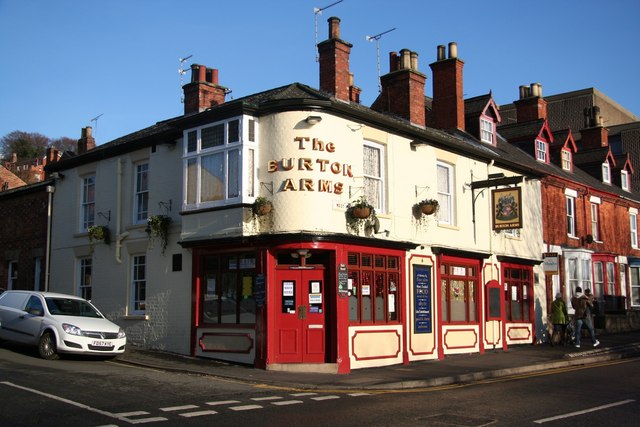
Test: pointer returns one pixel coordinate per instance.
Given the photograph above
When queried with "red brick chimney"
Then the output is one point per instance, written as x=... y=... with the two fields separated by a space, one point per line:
x=594 y=135
x=333 y=57
x=402 y=91
x=204 y=91
x=87 y=141
x=448 y=99
x=531 y=105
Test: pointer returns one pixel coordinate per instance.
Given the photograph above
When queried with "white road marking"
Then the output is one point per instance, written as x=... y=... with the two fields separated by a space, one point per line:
x=325 y=397
x=585 y=411
x=132 y=414
x=359 y=394
x=197 y=414
x=178 y=408
x=287 y=402
x=303 y=394
x=260 y=399
x=245 y=407
x=222 y=402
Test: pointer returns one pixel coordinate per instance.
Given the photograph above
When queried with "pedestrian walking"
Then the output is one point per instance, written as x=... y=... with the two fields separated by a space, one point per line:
x=583 y=306
x=559 y=318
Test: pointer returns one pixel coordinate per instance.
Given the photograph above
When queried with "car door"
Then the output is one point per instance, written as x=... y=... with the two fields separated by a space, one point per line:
x=25 y=325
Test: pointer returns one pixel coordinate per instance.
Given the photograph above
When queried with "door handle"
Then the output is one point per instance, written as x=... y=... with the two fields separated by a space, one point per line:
x=302 y=312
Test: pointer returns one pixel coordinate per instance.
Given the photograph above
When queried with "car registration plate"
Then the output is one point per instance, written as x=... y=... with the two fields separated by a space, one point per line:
x=101 y=343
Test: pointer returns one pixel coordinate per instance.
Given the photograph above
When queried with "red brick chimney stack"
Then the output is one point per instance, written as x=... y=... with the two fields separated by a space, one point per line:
x=86 y=142
x=448 y=98
x=595 y=135
x=333 y=57
x=203 y=91
x=403 y=88
x=531 y=105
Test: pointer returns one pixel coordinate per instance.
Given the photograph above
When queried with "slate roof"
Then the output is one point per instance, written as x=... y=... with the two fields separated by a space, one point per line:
x=12 y=180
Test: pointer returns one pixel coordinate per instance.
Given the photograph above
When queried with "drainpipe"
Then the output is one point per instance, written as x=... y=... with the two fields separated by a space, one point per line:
x=119 y=236
x=50 y=190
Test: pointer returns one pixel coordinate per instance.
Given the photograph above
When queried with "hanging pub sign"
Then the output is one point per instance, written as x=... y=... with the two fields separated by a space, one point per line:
x=507 y=208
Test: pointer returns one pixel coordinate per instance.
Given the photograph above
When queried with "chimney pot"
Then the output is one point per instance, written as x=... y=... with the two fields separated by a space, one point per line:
x=453 y=50
x=442 y=52
x=393 y=61
x=334 y=27
x=202 y=73
x=405 y=55
x=414 y=61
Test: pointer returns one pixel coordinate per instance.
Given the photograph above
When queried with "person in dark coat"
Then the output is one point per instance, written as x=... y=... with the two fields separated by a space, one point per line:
x=583 y=306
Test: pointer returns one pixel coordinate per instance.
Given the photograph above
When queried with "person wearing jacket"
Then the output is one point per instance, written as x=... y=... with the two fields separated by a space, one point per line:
x=559 y=318
x=583 y=306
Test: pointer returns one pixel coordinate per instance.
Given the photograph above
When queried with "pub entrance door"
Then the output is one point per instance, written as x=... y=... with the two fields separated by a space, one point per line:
x=300 y=315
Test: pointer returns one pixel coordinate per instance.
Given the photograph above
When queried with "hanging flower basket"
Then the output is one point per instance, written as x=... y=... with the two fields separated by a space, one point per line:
x=429 y=206
x=261 y=207
x=158 y=226
x=359 y=212
x=99 y=233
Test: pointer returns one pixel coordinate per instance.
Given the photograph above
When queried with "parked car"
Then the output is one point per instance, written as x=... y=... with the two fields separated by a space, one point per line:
x=58 y=323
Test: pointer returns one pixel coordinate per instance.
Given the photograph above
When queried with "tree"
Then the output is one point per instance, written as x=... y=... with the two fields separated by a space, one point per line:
x=64 y=144
x=26 y=145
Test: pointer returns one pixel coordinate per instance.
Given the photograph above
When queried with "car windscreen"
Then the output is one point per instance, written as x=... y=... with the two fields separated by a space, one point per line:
x=71 y=307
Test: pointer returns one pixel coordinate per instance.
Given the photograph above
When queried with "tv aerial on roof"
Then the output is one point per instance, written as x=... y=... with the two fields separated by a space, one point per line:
x=95 y=120
x=182 y=71
x=318 y=11
x=377 y=40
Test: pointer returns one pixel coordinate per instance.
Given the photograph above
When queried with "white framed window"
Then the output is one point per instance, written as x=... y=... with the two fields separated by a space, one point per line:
x=586 y=273
x=12 y=274
x=541 y=151
x=138 y=284
x=486 y=130
x=571 y=215
x=566 y=160
x=598 y=279
x=219 y=163
x=85 y=273
x=624 y=180
x=446 y=194
x=606 y=173
x=633 y=226
x=88 y=202
x=373 y=171
x=37 y=273
x=634 y=274
x=141 y=193
x=595 y=221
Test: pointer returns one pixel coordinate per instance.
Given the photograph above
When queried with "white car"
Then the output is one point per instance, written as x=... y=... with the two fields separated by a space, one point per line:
x=58 y=323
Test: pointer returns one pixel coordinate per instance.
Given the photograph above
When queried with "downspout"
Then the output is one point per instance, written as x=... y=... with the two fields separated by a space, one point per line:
x=119 y=236
x=50 y=190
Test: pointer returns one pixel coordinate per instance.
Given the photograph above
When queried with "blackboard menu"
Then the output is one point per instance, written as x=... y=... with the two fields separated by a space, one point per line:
x=422 y=298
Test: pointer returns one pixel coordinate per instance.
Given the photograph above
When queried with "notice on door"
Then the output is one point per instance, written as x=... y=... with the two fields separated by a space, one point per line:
x=289 y=296
x=422 y=299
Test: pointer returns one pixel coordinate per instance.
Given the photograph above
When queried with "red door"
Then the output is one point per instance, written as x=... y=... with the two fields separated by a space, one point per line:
x=300 y=316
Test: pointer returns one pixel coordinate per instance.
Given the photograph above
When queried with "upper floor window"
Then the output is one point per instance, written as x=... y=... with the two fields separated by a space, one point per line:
x=445 y=193
x=219 y=163
x=486 y=130
x=624 y=180
x=88 y=202
x=566 y=160
x=142 y=193
x=373 y=170
x=595 y=221
x=606 y=173
x=541 y=151
x=633 y=225
x=571 y=216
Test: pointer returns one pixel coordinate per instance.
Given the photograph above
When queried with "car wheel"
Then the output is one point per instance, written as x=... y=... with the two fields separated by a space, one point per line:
x=47 y=347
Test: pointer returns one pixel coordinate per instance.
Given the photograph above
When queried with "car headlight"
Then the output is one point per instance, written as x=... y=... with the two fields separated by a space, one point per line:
x=121 y=333
x=71 y=329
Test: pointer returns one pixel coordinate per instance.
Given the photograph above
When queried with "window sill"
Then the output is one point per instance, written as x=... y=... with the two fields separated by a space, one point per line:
x=136 y=317
x=449 y=226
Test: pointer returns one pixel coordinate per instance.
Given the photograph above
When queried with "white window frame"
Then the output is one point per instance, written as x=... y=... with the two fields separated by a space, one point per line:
x=571 y=215
x=487 y=130
x=374 y=185
x=633 y=226
x=446 y=193
x=141 y=193
x=12 y=274
x=566 y=160
x=245 y=171
x=87 y=202
x=137 y=305
x=37 y=273
x=634 y=273
x=606 y=172
x=624 y=180
x=85 y=277
x=541 y=151
x=595 y=221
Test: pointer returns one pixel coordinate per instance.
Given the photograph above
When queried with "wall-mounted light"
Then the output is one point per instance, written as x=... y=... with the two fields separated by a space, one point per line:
x=313 y=120
x=301 y=253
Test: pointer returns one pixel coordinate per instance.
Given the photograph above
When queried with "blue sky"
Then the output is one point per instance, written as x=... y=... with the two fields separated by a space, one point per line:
x=66 y=62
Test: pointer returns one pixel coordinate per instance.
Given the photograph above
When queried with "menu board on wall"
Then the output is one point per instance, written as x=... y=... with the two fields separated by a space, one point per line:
x=422 y=299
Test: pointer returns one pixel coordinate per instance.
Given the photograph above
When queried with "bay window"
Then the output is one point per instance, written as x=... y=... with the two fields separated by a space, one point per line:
x=375 y=295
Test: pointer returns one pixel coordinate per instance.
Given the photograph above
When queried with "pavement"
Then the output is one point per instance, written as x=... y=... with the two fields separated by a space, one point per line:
x=453 y=369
